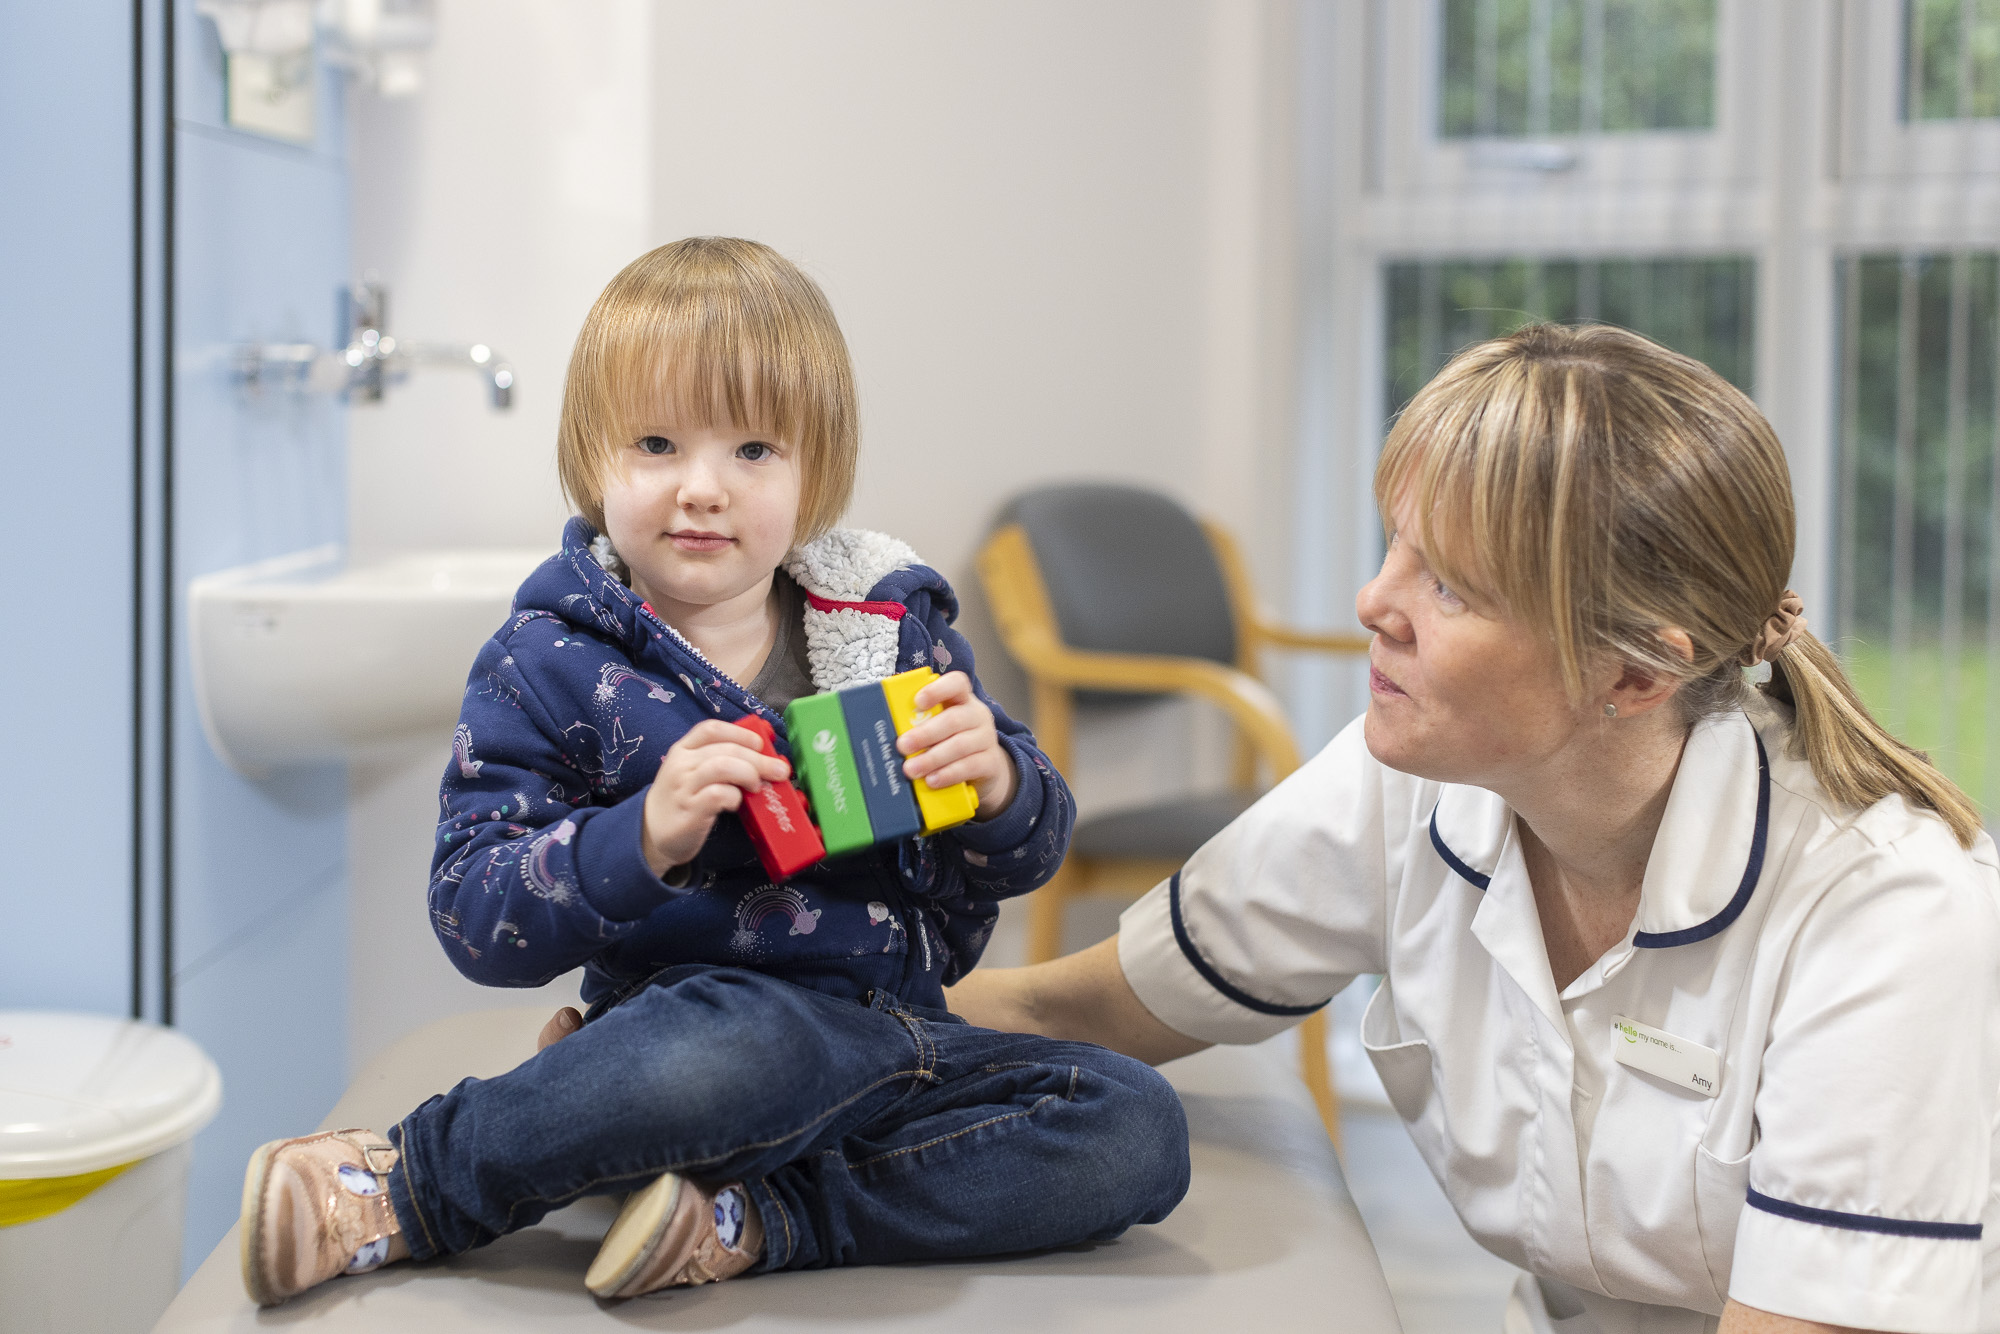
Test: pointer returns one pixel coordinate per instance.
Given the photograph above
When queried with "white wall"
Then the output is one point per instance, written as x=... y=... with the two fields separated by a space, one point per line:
x=1057 y=234
x=494 y=205
x=1028 y=217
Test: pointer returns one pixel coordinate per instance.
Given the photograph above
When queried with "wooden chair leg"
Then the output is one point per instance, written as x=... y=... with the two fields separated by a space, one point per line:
x=1046 y=910
x=1317 y=1070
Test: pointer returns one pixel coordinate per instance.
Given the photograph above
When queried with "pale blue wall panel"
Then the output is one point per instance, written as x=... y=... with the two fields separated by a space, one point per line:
x=260 y=876
x=272 y=1012
x=66 y=455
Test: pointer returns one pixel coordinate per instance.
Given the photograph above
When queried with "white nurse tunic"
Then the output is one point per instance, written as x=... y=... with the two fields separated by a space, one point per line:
x=1832 y=975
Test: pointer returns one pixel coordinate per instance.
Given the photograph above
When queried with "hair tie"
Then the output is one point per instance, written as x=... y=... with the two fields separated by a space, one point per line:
x=1780 y=629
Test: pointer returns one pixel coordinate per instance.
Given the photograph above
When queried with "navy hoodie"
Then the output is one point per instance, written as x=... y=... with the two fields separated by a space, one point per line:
x=568 y=710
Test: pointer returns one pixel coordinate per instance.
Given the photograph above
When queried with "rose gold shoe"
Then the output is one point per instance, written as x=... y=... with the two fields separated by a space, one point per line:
x=675 y=1233
x=314 y=1208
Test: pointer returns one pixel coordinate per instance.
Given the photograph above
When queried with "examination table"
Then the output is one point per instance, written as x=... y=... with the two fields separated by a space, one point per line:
x=1266 y=1240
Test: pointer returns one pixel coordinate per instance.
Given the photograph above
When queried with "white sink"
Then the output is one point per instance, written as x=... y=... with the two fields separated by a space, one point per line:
x=305 y=659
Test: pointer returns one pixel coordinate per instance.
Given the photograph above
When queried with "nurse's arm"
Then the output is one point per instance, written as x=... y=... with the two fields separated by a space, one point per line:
x=1080 y=997
x=1740 y=1319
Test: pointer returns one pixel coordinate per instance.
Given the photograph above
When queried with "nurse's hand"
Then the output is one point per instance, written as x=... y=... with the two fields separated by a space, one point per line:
x=560 y=1025
x=1082 y=997
x=1740 y=1319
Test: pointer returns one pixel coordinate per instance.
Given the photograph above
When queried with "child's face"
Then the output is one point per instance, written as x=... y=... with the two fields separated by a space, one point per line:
x=701 y=515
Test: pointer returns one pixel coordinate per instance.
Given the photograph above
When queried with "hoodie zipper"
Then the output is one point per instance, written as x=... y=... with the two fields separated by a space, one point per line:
x=754 y=705
x=911 y=906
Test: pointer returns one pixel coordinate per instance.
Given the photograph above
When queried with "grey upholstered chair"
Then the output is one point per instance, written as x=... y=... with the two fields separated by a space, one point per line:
x=1100 y=591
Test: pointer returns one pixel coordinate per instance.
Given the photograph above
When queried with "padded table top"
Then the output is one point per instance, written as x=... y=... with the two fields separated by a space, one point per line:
x=1266 y=1239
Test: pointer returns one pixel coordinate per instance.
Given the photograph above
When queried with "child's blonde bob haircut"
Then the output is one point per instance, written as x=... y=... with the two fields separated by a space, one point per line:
x=1600 y=489
x=712 y=331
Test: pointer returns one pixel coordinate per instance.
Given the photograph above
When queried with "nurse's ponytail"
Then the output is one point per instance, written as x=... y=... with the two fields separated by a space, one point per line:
x=1605 y=488
x=1853 y=756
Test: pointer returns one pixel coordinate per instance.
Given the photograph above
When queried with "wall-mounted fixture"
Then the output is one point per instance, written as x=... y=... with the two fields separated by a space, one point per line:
x=268 y=49
x=305 y=659
x=380 y=42
x=372 y=359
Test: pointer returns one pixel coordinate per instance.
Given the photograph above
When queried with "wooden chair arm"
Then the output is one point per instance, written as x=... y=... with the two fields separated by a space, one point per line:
x=1317 y=641
x=1255 y=631
x=1249 y=702
x=1027 y=625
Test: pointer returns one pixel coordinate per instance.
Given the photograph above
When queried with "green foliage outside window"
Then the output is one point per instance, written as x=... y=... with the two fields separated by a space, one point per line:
x=1952 y=59
x=1540 y=67
x=1701 y=307
x=1918 y=605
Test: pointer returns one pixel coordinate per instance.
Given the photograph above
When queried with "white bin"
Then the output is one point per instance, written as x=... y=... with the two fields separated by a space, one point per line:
x=95 y=1119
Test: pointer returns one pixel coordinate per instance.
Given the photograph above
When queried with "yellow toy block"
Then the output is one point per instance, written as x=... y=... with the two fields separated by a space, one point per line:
x=940 y=808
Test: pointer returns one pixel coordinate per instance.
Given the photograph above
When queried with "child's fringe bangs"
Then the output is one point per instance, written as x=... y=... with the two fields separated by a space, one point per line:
x=707 y=373
x=717 y=332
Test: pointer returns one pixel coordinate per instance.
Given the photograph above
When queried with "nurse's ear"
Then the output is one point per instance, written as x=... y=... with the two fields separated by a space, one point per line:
x=1640 y=688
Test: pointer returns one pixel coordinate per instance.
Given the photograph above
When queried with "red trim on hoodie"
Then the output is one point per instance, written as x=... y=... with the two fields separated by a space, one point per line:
x=895 y=611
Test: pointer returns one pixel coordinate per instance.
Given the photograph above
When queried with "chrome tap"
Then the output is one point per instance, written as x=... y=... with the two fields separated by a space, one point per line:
x=372 y=360
x=376 y=358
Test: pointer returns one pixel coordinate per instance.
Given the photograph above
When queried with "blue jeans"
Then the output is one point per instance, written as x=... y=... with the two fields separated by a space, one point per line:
x=863 y=1133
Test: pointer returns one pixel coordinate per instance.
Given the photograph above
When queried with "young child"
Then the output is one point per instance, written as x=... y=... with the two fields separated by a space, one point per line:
x=769 y=1068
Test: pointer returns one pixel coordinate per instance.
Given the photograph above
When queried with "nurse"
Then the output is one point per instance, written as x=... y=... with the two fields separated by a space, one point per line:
x=1690 y=985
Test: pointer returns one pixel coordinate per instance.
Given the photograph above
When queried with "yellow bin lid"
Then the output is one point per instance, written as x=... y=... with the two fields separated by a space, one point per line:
x=80 y=1092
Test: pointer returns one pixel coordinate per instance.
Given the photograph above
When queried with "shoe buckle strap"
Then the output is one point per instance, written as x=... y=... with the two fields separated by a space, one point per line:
x=377 y=1153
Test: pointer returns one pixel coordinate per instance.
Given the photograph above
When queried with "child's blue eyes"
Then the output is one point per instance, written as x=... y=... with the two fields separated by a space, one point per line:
x=754 y=451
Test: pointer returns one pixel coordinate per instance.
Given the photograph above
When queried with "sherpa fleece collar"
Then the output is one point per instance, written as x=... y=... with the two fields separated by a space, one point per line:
x=850 y=639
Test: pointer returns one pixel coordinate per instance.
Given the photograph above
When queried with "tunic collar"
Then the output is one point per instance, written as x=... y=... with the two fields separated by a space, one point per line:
x=1706 y=859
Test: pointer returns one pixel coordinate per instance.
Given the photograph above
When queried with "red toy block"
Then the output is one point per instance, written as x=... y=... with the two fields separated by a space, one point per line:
x=775 y=818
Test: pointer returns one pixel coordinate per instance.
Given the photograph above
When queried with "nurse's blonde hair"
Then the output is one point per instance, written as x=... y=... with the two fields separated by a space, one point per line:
x=712 y=331
x=1602 y=488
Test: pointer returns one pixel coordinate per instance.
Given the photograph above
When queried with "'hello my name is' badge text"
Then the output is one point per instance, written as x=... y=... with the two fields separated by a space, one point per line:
x=1659 y=1052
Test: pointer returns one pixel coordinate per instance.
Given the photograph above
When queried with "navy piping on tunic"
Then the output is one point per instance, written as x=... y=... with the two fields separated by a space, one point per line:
x=1895 y=1227
x=1451 y=858
x=1656 y=940
x=1213 y=978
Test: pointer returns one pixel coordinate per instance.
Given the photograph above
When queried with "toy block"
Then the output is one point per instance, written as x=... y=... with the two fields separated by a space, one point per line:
x=941 y=808
x=824 y=758
x=892 y=810
x=775 y=818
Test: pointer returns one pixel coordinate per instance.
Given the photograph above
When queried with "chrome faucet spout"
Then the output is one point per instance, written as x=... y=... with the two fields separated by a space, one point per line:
x=372 y=360
x=494 y=368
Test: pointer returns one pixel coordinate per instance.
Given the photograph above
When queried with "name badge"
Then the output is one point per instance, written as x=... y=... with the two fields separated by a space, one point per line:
x=1659 y=1052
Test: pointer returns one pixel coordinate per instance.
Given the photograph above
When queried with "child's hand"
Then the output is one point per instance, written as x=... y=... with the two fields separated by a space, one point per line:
x=704 y=774
x=959 y=745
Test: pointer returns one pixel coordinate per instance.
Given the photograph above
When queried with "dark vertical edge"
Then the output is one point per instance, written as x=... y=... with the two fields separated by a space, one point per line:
x=1837 y=104
x=168 y=209
x=1911 y=100
x=138 y=795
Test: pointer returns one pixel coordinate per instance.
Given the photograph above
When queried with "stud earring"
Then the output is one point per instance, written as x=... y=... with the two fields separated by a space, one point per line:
x=1611 y=710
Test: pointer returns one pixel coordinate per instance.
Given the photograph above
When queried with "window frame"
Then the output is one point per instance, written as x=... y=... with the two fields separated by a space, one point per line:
x=1414 y=163
x=1877 y=142
x=1809 y=160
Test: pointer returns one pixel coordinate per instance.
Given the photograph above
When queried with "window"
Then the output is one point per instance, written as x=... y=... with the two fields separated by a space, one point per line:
x=1918 y=568
x=1541 y=67
x=1919 y=91
x=1953 y=52
x=1698 y=306
x=1805 y=197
